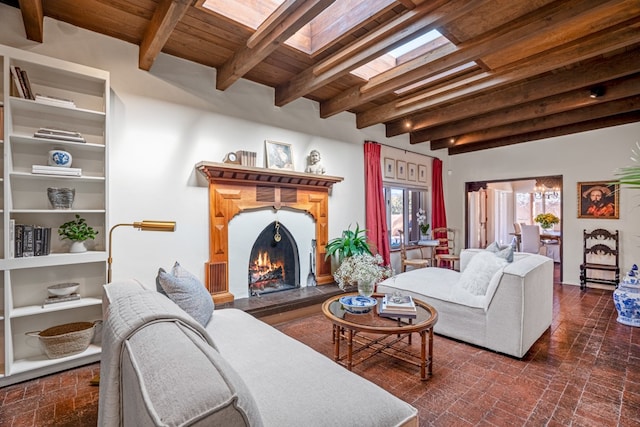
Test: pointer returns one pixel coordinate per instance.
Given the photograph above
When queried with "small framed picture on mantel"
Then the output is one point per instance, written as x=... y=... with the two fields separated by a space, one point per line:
x=279 y=155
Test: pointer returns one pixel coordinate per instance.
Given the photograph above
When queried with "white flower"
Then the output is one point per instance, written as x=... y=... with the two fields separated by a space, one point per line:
x=362 y=267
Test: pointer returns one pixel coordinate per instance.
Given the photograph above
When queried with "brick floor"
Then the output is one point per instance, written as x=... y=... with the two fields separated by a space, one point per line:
x=584 y=371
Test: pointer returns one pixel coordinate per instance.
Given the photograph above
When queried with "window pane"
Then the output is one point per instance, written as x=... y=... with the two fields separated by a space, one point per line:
x=397 y=211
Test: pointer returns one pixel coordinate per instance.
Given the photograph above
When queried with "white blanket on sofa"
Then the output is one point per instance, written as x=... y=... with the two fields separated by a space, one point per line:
x=124 y=317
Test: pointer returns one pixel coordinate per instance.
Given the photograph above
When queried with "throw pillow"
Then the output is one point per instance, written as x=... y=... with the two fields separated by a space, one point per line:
x=477 y=275
x=184 y=289
x=505 y=251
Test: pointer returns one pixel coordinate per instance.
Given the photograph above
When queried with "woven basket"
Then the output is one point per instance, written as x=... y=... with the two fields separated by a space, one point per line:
x=65 y=340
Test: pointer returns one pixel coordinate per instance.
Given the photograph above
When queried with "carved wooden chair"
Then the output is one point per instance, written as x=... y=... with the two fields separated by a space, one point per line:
x=411 y=262
x=601 y=252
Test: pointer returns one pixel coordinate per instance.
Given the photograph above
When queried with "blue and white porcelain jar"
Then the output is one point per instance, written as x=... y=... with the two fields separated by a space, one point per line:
x=60 y=158
x=627 y=298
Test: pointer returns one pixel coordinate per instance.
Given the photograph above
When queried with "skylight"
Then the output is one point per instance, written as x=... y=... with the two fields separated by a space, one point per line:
x=415 y=43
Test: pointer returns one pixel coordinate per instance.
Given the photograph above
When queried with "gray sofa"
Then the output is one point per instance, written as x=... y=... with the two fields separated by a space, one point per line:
x=509 y=317
x=160 y=367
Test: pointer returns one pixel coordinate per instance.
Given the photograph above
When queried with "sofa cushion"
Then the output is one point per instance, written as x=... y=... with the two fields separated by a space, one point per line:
x=505 y=251
x=183 y=384
x=478 y=273
x=187 y=292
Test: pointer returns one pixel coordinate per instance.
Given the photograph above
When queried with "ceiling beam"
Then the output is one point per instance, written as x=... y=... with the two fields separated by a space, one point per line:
x=587 y=73
x=617 y=89
x=297 y=14
x=270 y=24
x=33 y=18
x=519 y=31
x=165 y=18
x=406 y=27
x=621 y=119
x=617 y=37
x=597 y=111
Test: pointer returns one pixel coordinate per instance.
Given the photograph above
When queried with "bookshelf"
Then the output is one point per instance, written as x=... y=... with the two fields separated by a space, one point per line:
x=24 y=280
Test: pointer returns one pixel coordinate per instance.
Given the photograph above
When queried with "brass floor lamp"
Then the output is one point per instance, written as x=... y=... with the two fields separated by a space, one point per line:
x=145 y=225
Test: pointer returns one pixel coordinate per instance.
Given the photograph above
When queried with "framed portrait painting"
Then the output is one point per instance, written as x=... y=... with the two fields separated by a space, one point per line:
x=401 y=169
x=598 y=200
x=389 y=168
x=279 y=155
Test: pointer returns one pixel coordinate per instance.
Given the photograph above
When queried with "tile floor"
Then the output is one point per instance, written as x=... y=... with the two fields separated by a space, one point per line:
x=584 y=371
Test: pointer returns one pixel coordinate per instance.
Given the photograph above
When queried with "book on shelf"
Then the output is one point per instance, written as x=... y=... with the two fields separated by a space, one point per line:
x=12 y=238
x=31 y=240
x=27 y=85
x=55 y=170
x=59 y=134
x=55 y=299
x=17 y=84
x=54 y=100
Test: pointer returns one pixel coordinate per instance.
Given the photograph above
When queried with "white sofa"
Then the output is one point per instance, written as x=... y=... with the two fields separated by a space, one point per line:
x=509 y=318
x=161 y=367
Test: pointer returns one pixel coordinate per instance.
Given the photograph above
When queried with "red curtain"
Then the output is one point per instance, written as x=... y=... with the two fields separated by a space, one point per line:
x=376 y=215
x=438 y=212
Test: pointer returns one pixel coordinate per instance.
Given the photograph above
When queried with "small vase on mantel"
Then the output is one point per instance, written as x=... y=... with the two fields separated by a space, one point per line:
x=366 y=287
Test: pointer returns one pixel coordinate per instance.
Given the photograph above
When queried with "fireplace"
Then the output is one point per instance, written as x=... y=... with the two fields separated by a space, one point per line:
x=274 y=261
x=242 y=191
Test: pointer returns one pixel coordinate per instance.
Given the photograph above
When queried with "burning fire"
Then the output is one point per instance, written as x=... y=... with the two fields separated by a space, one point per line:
x=264 y=269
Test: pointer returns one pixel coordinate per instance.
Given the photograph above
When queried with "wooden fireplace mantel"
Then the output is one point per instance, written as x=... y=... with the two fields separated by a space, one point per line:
x=234 y=188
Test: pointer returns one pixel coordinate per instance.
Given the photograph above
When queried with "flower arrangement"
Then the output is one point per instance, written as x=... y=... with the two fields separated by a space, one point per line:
x=546 y=220
x=422 y=221
x=361 y=267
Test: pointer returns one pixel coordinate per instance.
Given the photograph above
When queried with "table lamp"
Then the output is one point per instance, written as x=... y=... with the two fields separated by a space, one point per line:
x=145 y=225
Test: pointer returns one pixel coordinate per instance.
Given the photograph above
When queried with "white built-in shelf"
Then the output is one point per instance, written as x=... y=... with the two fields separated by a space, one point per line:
x=57 y=211
x=56 y=259
x=42 y=108
x=27 y=175
x=48 y=308
x=26 y=139
x=42 y=361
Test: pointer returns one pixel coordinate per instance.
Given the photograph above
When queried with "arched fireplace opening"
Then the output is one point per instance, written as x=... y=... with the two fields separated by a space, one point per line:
x=274 y=262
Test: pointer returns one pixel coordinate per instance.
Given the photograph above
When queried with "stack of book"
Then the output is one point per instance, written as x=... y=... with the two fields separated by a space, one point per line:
x=30 y=240
x=54 y=298
x=55 y=170
x=21 y=82
x=397 y=307
x=59 y=134
x=54 y=100
x=247 y=158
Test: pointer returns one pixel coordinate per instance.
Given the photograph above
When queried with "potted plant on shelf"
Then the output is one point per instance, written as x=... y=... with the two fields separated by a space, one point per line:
x=78 y=231
x=630 y=175
x=349 y=244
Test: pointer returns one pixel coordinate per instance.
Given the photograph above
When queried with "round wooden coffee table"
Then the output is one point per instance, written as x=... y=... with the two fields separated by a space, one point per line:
x=373 y=334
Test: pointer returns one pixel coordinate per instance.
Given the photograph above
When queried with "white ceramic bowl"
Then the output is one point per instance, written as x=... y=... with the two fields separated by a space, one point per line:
x=63 y=289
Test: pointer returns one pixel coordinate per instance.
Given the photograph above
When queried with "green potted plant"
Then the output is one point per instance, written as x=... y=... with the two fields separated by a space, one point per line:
x=78 y=231
x=349 y=244
x=630 y=175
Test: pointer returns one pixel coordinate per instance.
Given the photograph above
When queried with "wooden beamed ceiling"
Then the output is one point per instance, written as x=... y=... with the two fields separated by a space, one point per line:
x=514 y=70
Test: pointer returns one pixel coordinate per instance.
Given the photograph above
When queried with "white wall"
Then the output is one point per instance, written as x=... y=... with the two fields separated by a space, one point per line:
x=165 y=121
x=588 y=156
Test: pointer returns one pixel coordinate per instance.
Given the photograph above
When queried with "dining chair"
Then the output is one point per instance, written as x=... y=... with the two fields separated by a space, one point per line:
x=445 y=251
x=411 y=262
x=530 y=240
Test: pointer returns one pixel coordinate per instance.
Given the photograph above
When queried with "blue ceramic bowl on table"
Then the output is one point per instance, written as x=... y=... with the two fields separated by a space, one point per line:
x=357 y=304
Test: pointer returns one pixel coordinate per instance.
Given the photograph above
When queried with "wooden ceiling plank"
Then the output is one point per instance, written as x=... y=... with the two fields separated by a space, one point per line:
x=617 y=120
x=246 y=58
x=595 y=111
x=33 y=19
x=164 y=20
x=517 y=32
x=587 y=73
x=624 y=34
x=408 y=4
x=415 y=22
x=272 y=22
x=617 y=89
